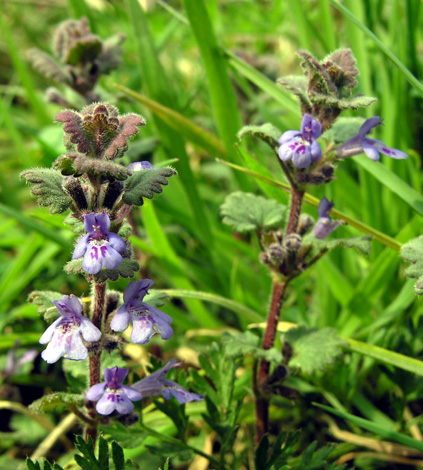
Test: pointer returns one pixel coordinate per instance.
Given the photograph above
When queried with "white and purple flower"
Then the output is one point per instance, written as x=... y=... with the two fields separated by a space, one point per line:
x=371 y=147
x=111 y=395
x=146 y=320
x=301 y=146
x=324 y=225
x=64 y=334
x=156 y=384
x=99 y=247
x=138 y=166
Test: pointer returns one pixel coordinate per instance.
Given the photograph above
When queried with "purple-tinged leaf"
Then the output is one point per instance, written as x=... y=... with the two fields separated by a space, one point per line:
x=128 y=127
x=73 y=127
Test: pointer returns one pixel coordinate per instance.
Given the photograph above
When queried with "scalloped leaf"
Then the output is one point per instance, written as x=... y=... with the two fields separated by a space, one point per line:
x=145 y=184
x=319 y=81
x=246 y=212
x=84 y=51
x=43 y=299
x=362 y=244
x=341 y=66
x=297 y=84
x=48 y=189
x=48 y=67
x=128 y=127
x=412 y=252
x=266 y=132
x=313 y=349
x=358 y=101
x=248 y=344
x=74 y=130
x=53 y=400
x=126 y=269
x=108 y=169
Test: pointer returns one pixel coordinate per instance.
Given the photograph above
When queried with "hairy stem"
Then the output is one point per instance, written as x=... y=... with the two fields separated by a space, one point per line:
x=295 y=211
x=262 y=402
x=99 y=293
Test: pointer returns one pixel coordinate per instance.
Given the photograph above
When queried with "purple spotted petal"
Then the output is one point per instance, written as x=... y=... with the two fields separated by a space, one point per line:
x=120 y=320
x=81 y=247
x=182 y=395
x=89 y=331
x=111 y=259
x=92 y=260
x=137 y=166
x=48 y=334
x=96 y=391
x=390 y=152
x=116 y=242
x=301 y=158
x=107 y=404
x=74 y=348
x=286 y=151
x=142 y=329
x=124 y=406
x=161 y=320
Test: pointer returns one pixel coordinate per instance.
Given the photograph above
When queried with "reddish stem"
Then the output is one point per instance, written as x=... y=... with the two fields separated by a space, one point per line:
x=262 y=402
x=99 y=292
x=295 y=211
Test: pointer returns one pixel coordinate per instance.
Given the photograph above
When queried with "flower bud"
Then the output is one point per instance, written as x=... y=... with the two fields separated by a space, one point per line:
x=293 y=242
x=305 y=223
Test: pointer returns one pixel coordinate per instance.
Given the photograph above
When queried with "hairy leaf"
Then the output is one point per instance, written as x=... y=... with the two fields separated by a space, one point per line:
x=245 y=212
x=48 y=188
x=54 y=400
x=267 y=133
x=248 y=344
x=319 y=81
x=73 y=127
x=412 y=252
x=107 y=169
x=342 y=69
x=48 y=67
x=43 y=298
x=358 y=101
x=84 y=51
x=344 y=128
x=128 y=127
x=298 y=85
x=313 y=349
x=146 y=183
x=126 y=269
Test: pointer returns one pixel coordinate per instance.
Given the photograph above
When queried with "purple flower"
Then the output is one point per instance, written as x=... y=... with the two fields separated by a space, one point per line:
x=99 y=247
x=64 y=334
x=371 y=147
x=324 y=225
x=111 y=395
x=138 y=166
x=156 y=384
x=302 y=147
x=13 y=364
x=146 y=320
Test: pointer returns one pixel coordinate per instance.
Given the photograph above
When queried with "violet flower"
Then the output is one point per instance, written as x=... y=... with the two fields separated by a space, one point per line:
x=146 y=320
x=13 y=364
x=301 y=146
x=64 y=334
x=111 y=395
x=138 y=166
x=324 y=225
x=99 y=247
x=371 y=147
x=156 y=384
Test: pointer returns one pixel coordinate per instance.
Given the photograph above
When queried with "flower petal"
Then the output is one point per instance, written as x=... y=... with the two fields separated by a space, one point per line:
x=142 y=330
x=95 y=392
x=104 y=221
x=132 y=393
x=110 y=258
x=116 y=242
x=301 y=158
x=74 y=347
x=137 y=166
x=315 y=151
x=89 y=331
x=124 y=406
x=52 y=353
x=48 y=334
x=81 y=247
x=325 y=206
x=120 y=321
x=370 y=150
x=286 y=150
x=368 y=125
x=89 y=222
x=107 y=404
x=288 y=135
x=390 y=152
x=92 y=260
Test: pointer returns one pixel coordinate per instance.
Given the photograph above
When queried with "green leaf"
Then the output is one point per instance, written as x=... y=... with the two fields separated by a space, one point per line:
x=357 y=101
x=48 y=188
x=266 y=132
x=297 y=84
x=83 y=52
x=248 y=344
x=412 y=252
x=313 y=349
x=344 y=128
x=245 y=212
x=54 y=400
x=146 y=183
x=362 y=244
x=43 y=298
x=126 y=269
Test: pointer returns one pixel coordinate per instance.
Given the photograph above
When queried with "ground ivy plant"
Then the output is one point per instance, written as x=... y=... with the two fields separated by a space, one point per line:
x=99 y=193
x=291 y=241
